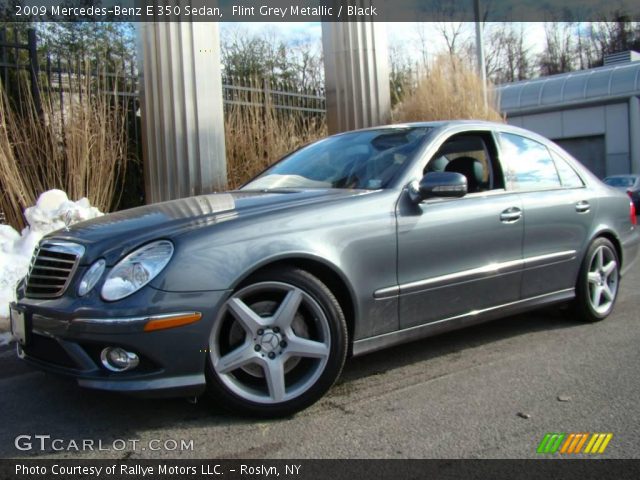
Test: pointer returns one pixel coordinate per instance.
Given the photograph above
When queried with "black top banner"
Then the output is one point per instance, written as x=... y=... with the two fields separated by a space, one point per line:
x=317 y=10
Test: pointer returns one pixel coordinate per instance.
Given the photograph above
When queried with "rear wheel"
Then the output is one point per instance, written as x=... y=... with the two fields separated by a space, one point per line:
x=278 y=344
x=598 y=282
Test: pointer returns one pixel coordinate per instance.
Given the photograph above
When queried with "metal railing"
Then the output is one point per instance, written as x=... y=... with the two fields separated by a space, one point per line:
x=282 y=96
x=55 y=73
x=11 y=59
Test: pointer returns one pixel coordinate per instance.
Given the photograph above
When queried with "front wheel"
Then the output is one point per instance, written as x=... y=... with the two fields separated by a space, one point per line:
x=278 y=344
x=598 y=282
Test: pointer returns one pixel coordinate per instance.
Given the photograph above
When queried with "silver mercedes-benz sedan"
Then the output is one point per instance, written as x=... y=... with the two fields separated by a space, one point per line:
x=351 y=244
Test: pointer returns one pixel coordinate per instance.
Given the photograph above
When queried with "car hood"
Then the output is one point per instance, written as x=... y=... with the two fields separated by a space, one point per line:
x=114 y=234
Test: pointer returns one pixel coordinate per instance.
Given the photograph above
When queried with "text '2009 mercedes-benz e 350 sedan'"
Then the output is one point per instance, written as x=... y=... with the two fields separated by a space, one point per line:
x=351 y=244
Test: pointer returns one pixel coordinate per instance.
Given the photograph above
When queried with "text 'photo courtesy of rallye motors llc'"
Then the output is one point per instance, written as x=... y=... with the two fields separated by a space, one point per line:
x=351 y=244
x=143 y=471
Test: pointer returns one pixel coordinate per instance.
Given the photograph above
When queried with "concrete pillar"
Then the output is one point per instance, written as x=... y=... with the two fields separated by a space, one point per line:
x=356 y=69
x=182 y=114
x=634 y=134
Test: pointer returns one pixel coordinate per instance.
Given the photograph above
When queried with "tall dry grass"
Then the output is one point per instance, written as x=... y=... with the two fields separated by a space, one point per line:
x=449 y=90
x=256 y=136
x=78 y=145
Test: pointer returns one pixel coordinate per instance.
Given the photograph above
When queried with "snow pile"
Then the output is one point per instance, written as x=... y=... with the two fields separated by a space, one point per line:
x=52 y=211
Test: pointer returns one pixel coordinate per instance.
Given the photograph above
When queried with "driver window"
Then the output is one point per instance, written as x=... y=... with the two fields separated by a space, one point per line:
x=474 y=156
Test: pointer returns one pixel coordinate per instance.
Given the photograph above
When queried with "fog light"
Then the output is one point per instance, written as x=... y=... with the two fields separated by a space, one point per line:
x=118 y=359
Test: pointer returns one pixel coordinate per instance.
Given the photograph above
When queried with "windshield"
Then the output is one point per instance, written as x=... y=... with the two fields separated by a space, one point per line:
x=620 y=181
x=367 y=159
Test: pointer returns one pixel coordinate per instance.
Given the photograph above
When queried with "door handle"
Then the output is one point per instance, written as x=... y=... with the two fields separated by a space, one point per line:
x=583 y=206
x=511 y=215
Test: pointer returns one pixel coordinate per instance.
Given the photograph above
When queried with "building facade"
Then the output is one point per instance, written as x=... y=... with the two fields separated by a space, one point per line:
x=593 y=114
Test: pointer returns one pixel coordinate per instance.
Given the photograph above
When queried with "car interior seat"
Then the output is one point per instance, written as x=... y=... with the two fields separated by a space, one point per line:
x=470 y=168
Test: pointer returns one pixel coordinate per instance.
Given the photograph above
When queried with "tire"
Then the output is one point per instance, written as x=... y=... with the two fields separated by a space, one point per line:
x=278 y=344
x=598 y=282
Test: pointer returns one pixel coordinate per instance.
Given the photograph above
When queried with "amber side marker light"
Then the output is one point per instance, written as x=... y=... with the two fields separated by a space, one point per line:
x=171 y=321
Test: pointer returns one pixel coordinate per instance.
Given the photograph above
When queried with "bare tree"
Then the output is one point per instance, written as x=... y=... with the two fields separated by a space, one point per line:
x=613 y=36
x=454 y=36
x=425 y=42
x=559 y=53
x=400 y=72
x=586 y=51
x=269 y=56
x=507 y=56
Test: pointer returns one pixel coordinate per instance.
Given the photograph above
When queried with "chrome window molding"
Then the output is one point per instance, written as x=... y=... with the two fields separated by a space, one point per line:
x=474 y=274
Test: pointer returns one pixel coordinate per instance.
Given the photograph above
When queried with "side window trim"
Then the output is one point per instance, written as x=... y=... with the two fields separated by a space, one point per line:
x=504 y=164
x=556 y=153
x=495 y=136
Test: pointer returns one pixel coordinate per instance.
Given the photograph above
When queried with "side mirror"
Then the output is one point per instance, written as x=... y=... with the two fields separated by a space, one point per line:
x=438 y=185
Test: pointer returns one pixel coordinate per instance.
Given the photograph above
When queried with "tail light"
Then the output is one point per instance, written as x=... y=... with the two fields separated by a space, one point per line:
x=632 y=214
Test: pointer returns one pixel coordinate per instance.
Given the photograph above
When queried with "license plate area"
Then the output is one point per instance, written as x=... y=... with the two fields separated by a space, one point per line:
x=19 y=326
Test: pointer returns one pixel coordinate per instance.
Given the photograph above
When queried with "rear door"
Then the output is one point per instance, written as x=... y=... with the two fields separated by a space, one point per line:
x=558 y=211
x=456 y=256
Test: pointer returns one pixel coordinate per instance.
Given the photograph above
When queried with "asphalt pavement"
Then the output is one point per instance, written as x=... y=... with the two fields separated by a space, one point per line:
x=491 y=391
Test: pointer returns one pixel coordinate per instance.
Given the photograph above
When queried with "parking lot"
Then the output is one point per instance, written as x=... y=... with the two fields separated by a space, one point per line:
x=491 y=391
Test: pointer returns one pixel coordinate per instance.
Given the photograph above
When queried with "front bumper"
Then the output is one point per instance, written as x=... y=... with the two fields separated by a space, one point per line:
x=172 y=360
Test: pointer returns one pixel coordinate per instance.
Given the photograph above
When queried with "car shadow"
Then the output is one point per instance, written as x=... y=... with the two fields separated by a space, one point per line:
x=40 y=403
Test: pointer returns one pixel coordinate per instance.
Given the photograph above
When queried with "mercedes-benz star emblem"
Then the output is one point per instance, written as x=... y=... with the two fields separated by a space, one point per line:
x=269 y=342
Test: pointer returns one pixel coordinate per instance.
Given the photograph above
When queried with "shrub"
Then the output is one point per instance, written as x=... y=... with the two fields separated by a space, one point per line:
x=257 y=135
x=449 y=90
x=79 y=147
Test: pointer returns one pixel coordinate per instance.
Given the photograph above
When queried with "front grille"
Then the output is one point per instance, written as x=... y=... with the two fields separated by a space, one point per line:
x=52 y=268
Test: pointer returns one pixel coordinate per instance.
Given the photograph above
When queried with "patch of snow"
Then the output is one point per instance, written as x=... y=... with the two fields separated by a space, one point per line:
x=5 y=338
x=52 y=211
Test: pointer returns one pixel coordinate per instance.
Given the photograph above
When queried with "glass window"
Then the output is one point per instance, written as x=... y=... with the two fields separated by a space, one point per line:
x=620 y=181
x=469 y=154
x=529 y=163
x=568 y=176
x=368 y=159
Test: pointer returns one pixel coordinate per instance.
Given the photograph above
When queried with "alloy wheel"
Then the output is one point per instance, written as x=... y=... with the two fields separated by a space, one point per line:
x=270 y=343
x=602 y=280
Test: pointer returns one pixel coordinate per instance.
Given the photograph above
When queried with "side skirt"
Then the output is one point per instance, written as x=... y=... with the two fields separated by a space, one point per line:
x=371 y=344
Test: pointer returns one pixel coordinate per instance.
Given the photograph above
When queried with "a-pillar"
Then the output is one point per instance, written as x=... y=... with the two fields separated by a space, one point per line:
x=356 y=74
x=182 y=111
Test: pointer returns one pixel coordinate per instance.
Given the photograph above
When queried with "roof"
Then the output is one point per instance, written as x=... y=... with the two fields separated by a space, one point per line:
x=595 y=85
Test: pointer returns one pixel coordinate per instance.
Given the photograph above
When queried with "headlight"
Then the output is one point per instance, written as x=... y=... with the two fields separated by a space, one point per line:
x=90 y=278
x=136 y=270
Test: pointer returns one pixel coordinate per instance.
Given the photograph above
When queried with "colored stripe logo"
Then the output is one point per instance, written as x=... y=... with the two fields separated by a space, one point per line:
x=572 y=443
